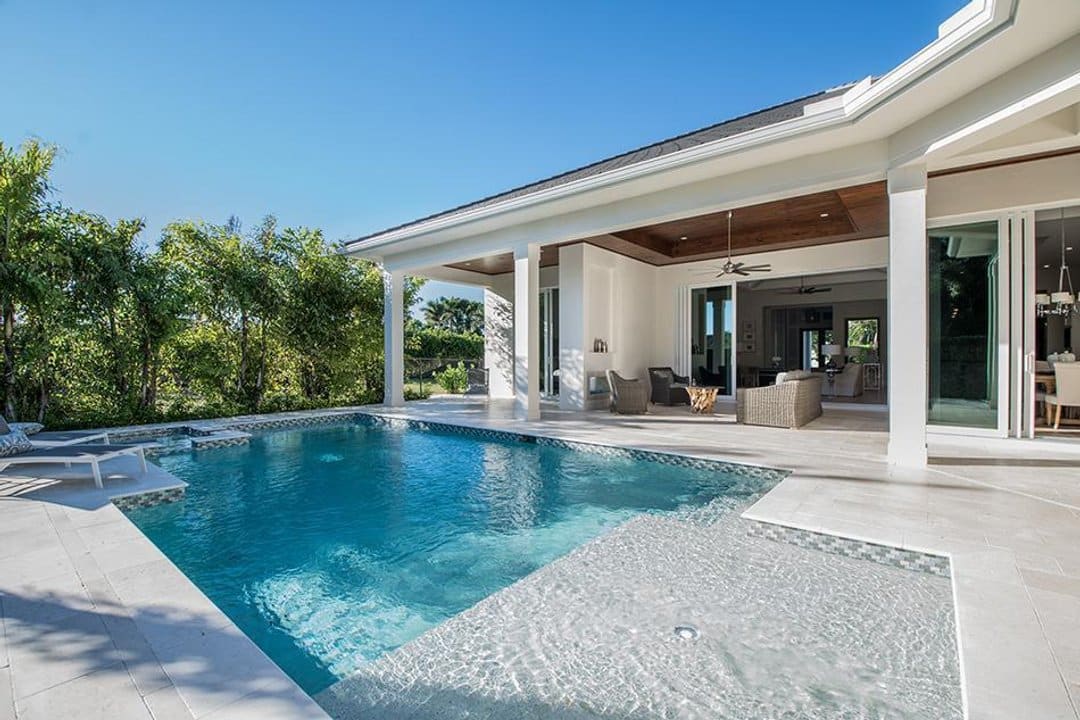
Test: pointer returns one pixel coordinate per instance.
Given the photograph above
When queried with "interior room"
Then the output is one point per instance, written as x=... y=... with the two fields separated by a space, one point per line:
x=832 y=324
x=1057 y=237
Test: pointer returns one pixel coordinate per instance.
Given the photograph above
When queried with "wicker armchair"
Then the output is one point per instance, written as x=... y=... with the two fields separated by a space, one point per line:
x=628 y=395
x=667 y=387
x=792 y=402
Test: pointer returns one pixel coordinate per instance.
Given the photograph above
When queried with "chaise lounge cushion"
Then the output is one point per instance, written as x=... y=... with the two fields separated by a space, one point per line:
x=30 y=428
x=14 y=442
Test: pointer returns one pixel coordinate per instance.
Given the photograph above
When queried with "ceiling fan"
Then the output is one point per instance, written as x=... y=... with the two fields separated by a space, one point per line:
x=738 y=268
x=806 y=289
x=803 y=289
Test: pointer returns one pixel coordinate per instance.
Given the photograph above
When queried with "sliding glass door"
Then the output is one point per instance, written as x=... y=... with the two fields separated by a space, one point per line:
x=968 y=329
x=549 y=342
x=712 y=337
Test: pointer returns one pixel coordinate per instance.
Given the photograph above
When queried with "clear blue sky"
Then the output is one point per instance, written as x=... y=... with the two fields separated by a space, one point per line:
x=356 y=116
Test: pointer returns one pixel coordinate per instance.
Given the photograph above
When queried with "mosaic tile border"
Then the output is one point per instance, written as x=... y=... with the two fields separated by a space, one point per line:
x=150 y=498
x=211 y=428
x=858 y=549
x=758 y=472
x=220 y=440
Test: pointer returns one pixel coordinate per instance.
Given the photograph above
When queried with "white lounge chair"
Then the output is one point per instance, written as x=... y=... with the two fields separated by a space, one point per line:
x=92 y=455
x=61 y=438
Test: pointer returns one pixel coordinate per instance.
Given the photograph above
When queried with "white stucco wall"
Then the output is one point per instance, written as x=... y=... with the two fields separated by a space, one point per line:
x=1040 y=182
x=499 y=344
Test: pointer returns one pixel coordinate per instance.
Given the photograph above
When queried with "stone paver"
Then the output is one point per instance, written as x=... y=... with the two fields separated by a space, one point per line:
x=99 y=625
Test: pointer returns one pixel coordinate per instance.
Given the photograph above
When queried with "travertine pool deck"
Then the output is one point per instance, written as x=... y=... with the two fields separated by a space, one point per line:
x=97 y=623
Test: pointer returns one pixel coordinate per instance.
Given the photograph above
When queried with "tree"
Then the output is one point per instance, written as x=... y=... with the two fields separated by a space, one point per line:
x=25 y=248
x=235 y=282
x=99 y=329
x=455 y=314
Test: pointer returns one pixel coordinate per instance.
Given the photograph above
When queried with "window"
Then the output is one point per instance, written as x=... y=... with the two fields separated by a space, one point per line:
x=813 y=342
x=862 y=339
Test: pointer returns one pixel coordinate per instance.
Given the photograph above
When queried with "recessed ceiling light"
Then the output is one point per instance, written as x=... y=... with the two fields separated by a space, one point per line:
x=824 y=215
x=683 y=237
x=1046 y=266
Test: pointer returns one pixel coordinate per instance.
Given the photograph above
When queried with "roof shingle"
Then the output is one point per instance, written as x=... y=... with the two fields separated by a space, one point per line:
x=728 y=128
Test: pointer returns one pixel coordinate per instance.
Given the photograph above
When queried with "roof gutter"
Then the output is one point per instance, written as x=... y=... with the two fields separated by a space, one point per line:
x=970 y=26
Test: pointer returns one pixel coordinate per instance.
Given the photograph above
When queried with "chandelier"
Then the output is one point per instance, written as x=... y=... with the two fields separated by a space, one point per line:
x=1062 y=302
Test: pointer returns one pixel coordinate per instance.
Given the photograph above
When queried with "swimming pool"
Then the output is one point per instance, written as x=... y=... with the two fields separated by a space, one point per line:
x=332 y=545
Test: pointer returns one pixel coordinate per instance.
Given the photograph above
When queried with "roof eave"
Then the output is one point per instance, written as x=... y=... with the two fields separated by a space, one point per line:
x=973 y=23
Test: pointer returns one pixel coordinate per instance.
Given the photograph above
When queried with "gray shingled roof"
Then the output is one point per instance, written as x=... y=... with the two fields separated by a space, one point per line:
x=753 y=121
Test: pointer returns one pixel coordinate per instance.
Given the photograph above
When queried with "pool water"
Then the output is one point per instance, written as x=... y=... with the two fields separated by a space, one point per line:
x=331 y=546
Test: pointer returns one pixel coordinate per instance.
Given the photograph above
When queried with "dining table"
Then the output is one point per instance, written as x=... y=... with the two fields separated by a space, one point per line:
x=1048 y=380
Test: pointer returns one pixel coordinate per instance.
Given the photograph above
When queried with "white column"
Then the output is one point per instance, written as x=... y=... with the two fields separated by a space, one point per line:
x=394 y=337
x=573 y=383
x=499 y=344
x=907 y=279
x=527 y=332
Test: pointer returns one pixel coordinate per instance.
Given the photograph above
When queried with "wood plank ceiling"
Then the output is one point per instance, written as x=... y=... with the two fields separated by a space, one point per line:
x=852 y=213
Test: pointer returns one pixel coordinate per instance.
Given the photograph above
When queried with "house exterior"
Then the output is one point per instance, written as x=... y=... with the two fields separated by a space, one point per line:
x=912 y=219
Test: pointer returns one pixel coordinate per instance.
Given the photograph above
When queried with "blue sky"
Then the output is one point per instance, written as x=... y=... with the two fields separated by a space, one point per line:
x=357 y=116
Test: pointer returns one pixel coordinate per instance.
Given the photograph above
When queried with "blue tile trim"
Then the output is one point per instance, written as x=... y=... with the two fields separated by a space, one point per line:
x=883 y=554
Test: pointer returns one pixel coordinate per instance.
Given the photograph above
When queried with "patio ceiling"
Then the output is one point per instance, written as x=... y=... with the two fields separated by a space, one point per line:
x=852 y=213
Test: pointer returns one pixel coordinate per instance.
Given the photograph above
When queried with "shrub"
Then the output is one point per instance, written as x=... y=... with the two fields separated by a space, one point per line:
x=429 y=342
x=453 y=379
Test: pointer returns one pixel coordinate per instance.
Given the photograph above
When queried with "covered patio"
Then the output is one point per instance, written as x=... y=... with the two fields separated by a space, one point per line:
x=910 y=204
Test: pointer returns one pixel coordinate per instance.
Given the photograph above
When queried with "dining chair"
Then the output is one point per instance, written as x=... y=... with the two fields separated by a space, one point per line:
x=1067 y=392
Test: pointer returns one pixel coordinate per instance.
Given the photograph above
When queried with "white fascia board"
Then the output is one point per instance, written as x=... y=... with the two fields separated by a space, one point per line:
x=806 y=174
x=1043 y=85
x=990 y=17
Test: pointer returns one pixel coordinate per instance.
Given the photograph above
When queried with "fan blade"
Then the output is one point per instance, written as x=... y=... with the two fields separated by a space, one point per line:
x=758 y=268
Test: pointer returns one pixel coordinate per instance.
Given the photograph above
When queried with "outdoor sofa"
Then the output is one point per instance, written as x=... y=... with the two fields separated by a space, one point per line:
x=792 y=402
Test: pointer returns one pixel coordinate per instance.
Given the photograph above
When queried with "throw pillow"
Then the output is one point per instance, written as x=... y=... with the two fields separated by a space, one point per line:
x=14 y=443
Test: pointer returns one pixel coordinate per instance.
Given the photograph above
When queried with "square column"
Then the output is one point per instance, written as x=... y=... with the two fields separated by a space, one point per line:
x=907 y=311
x=499 y=344
x=527 y=332
x=394 y=337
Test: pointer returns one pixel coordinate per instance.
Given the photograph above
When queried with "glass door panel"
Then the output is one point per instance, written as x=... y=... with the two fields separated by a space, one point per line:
x=712 y=337
x=964 y=323
x=549 y=342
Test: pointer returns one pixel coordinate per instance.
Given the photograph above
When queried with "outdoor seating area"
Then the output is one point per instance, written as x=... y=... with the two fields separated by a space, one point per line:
x=67 y=448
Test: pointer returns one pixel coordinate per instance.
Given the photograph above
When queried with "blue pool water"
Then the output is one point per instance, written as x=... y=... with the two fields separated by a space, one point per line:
x=330 y=546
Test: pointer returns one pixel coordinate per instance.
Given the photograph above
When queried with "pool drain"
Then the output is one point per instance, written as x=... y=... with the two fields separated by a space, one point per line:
x=686 y=632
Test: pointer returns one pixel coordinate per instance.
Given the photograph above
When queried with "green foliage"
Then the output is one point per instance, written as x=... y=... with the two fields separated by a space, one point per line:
x=432 y=342
x=453 y=379
x=99 y=329
x=455 y=315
